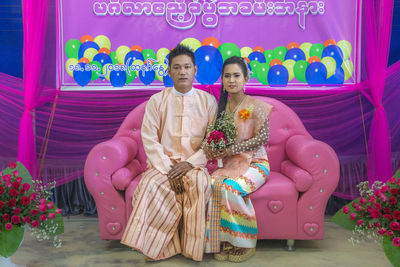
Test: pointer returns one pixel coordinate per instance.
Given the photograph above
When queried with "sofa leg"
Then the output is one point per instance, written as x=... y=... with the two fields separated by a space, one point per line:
x=290 y=245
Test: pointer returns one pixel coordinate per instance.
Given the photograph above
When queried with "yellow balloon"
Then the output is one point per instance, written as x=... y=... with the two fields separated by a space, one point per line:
x=71 y=62
x=192 y=43
x=162 y=54
x=306 y=49
x=348 y=69
x=121 y=53
x=330 y=64
x=103 y=41
x=135 y=65
x=90 y=53
x=246 y=51
x=289 y=64
x=162 y=69
x=107 y=70
x=346 y=48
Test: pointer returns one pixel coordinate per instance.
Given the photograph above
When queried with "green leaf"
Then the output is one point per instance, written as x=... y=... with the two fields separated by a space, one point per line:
x=391 y=252
x=397 y=174
x=22 y=172
x=344 y=220
x=10 y=241
x=58 y=220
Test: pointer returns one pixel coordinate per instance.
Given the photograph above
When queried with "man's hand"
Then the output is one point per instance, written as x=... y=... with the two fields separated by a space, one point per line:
x=175 y=176
x=220 y=154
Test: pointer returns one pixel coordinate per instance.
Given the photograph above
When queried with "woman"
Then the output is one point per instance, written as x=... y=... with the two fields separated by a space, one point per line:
x=231 y=223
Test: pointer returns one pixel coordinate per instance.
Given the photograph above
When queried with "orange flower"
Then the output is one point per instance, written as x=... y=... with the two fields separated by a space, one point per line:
x=245 y=114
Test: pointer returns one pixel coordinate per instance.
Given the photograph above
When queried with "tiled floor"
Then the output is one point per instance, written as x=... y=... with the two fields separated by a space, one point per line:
x=82 y=247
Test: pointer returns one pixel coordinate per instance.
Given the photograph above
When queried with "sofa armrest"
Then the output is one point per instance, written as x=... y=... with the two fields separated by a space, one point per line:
x=300 y=177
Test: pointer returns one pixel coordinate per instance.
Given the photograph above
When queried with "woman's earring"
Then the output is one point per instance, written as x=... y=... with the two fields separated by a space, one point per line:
x=244 y=89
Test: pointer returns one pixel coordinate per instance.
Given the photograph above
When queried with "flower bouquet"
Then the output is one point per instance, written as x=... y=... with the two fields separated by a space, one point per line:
x=375 y=216
x=24 y=204
x=221 y=135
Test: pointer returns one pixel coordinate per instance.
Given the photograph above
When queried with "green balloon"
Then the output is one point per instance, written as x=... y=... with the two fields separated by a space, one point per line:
x=316 y=50
x=280 y=53
x=72 y=48
x=262 y=73
x=113 y=56
x=299 y=70
x=229 y=50
x=269 y=55
x=148 y=53
x=130 y=76
x=95 y=76
x=253 y=65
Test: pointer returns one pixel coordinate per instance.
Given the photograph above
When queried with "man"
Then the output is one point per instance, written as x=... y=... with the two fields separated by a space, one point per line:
x=169 y=204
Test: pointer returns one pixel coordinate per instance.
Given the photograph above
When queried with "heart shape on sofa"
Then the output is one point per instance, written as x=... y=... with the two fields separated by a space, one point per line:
x=114 y=228
x=311 y=228
x=275 y=206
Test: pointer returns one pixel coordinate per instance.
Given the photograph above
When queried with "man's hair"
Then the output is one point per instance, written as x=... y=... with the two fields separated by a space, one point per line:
x=181 y=50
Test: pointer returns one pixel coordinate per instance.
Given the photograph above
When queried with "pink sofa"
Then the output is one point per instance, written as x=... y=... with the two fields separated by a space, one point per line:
x=290 y=206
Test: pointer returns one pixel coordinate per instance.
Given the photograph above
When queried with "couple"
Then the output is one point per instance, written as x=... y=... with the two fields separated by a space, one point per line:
x=177 y=206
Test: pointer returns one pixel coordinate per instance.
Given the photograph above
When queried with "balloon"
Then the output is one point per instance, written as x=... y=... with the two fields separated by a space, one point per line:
x=258 y=49
x=96 y=68
x=313 y=59
x=306 y=49
x=147 y=77
x=161 y=54
x=289 y=65
x=211 y=41
x=71 y=62
x=330 y=65
x=209 y=64
x=329 y=42
x=262 y=72
x=168 y=81
x=269 y=55
x=299 y=70
x=107 y=68
x=166 y=59
x=161 y=71
x=82 y=76
x=337 y=78
x=86 y=38
x=132 y=56
x=258 y=56
x=253 y=68
x=295 y=54
x=292 y=45
x=316 y=50
x=121 y=53
x=275 y=62
x=348 y=69
x=118 y=78
x=280 y=52
x=278 y=76
x=137 y=48
x=113 y=56
x=130 y=76
x=335 y=52
x=149 y=54
x=72 y=48
x=245 y=51
x=90 y=53
x=103 y=41
x=316 y=73
x=346 y=48
x=192 y=43
x=229 y=50
x=247 y=60
x=102 y=59
x=87 y=45
x=84 y=60
x=104 y=50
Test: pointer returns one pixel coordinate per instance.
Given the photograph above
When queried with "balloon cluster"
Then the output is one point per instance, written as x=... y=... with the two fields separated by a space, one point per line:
x=314 y=64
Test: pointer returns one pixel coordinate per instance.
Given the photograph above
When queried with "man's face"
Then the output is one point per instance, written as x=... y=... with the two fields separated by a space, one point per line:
x=182 y=72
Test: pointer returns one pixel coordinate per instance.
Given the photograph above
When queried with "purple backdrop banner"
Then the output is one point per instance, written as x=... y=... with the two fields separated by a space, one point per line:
x=124 y=43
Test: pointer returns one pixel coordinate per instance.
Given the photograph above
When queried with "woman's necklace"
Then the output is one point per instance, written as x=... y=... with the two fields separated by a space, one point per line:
x=234 y=111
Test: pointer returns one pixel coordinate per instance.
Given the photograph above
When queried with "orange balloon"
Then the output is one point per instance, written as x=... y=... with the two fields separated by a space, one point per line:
x=86 y=38
x=137 y=48
x=104 y=50
x=275 y=62
x=292 y=45
x=211 y=41
x=314 y=59
x=84 y=60
x=247 y=59
x=259 y=49
x=329 y=42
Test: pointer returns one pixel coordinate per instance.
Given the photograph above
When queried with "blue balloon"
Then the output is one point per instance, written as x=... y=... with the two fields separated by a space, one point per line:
x=337 y=78
x=168 y=81
x=335 y=52
x=103 y=59
x=258 y=56
x=166 y=60
x=132 y=56
x=83 y=75
x=118 y=78
x=278 y=75
x=147 y=76
x=86 y=45
x=209 y=64
x=316 y=74
x=296 y=54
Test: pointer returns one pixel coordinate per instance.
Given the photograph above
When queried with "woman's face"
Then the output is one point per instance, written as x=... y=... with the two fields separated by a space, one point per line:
x=233 y=78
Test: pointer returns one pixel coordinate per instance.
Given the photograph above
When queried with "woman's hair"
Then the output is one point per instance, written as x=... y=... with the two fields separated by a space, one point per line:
x=223 y=97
